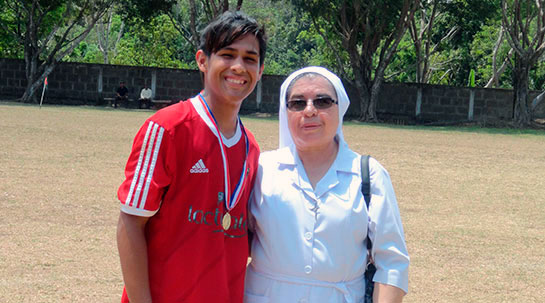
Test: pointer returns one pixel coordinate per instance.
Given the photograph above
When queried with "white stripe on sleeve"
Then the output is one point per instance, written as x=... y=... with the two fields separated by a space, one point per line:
x=139 y=165
x=152 y=167
x=144 y=172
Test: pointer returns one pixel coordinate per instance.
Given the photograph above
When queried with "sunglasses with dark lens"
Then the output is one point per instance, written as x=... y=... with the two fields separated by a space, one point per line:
x=298 y=105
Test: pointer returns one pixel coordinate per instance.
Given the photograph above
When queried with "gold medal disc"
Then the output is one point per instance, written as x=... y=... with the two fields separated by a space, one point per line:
x=226 y=221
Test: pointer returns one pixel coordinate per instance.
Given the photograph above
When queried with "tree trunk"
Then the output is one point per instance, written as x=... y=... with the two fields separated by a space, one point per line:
x=31 y=62
x=196 y=40
x=30 y=92
x=537 y=101
x=375 y=91
x=368 y=93
x=364 y=98
x=34 y=81
x=43 y=51
x=521 y=112
x=362 y=80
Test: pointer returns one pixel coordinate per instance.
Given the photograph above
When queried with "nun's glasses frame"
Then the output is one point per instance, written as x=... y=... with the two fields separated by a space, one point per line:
x=297 y=105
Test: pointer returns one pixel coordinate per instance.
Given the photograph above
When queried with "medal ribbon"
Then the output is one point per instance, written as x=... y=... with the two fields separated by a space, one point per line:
x=231 y=200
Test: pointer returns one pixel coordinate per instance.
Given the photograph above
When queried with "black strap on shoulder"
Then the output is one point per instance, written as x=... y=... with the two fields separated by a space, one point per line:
x=366 y=187
x=365 y=180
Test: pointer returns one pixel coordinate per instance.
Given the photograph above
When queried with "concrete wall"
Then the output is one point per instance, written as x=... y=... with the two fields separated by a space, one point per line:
x=80 y=83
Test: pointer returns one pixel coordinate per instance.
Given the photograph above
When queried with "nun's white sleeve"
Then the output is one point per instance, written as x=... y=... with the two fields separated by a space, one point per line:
x=389 y=250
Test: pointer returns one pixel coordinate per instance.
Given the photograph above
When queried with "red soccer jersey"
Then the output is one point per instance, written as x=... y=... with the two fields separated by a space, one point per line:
x=175 y=175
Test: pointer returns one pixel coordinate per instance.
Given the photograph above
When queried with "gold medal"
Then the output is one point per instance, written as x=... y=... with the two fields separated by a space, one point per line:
x=226 y=221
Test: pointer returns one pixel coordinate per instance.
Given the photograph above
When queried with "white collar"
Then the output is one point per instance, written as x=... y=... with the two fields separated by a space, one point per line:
x=344 y=161
x=229 y=142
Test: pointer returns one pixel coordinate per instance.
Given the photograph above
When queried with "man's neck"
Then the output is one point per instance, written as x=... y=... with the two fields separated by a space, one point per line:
x=225 y=114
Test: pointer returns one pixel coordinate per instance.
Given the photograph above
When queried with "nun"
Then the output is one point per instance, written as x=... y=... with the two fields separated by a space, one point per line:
x=308 y=217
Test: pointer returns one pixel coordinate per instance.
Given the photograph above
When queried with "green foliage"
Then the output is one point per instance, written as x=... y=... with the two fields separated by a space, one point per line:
x=471 y=80
x=292 y=40
x=403 y=65
x=469 y=16
x=370 y=22
x=537 y=76
x=156 y=43
x=482 y=49
x=151 y=38
x=87 y=53
x=9 y=45
x=7 y=40
x=143 y=10
x=472 y=21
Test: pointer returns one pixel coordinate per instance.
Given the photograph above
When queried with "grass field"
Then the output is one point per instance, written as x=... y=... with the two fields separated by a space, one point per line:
x=472 y=202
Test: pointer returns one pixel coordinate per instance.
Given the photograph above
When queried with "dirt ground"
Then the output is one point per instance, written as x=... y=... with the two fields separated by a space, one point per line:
x=472 y=203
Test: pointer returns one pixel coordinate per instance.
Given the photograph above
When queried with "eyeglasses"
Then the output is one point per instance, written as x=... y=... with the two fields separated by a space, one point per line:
x=298 y=105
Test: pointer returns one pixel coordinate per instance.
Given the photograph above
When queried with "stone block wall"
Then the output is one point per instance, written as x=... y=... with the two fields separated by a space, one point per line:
x=73 y=84
x=269 y=89
x=397 y=101
x=81 y=83
x=12 y=78
x=444 y=103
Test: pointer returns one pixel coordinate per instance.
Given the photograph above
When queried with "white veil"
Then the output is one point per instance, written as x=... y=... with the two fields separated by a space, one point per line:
x=284 y=134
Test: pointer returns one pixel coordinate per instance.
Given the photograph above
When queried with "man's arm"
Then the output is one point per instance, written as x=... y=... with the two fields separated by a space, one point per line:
x=384 y=293
x=133 y=253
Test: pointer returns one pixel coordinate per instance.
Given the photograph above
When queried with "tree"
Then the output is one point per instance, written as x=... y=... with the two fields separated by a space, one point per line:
x=421 y=30
x=152 y=40
x=187 y=16
x=469 y=16
x=107 y=37
x=497 y=72
x=524 y=23
x=9 y=46
x=438 y=48
x=153 y=43
x=48 y=30
x=292 y=40
x=491 y=55
x=363 y=35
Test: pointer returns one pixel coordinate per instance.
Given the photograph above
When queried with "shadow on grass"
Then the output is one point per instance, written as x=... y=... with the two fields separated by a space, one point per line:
x=274 y=117
x=457 y=128
x=75 y=107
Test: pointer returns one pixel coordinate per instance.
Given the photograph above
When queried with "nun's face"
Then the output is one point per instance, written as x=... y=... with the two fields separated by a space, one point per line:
x=314 y=127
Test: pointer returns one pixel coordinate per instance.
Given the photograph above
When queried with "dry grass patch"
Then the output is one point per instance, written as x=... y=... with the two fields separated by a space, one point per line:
x=473 y=205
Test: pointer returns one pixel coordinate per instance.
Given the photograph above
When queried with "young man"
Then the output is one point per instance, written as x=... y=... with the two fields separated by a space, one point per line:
x=121 y=94
x=182 y=232
x=145 y=97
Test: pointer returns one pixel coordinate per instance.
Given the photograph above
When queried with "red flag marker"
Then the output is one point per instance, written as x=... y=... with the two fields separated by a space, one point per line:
x=43 y=91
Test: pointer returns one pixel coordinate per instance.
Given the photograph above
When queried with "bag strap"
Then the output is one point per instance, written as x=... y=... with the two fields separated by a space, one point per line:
x=366 y=187
x=365 y=180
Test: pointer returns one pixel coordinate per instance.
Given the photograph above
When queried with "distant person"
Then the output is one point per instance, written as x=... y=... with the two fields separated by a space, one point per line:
x=145 y=97
x=307 y=211
x=122 y=94
x=182 y=233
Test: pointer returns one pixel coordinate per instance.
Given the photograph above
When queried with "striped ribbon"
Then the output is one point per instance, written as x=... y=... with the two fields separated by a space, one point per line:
x=231 y=200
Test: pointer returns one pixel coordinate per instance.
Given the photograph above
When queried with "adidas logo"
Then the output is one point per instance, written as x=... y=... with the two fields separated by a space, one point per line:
x=199 y=168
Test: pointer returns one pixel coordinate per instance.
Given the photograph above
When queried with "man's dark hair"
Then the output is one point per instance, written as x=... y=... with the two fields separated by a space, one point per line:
x=229 y=27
